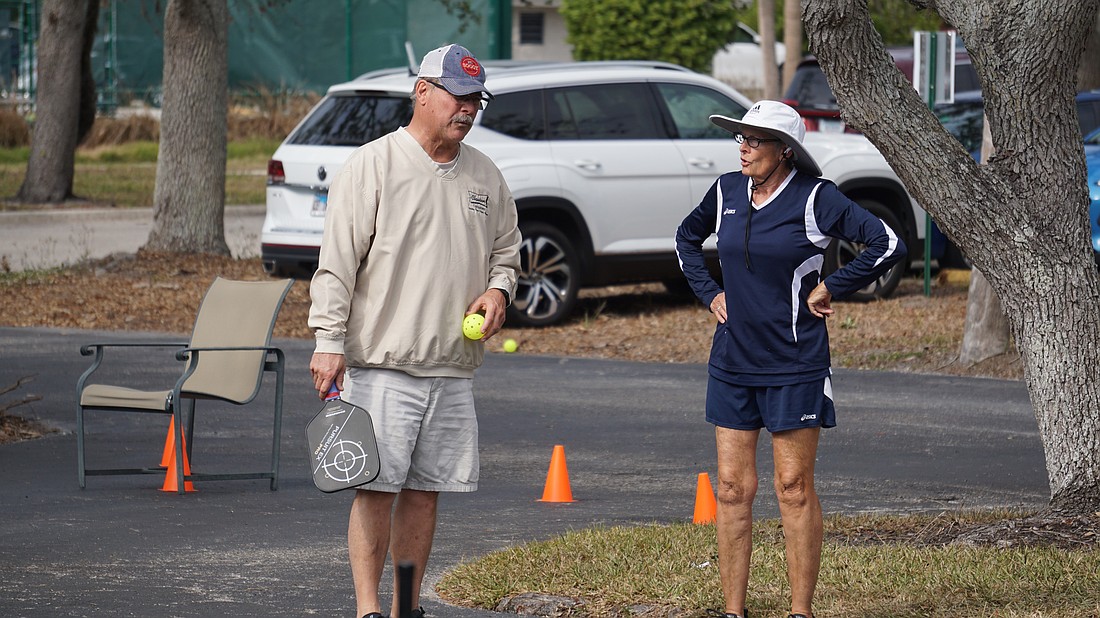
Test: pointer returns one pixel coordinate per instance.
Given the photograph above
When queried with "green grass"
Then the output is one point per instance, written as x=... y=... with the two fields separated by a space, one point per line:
x=130 y=152
x=125 y=175
x=676 y=566
x=14 y=155
x=23 y=277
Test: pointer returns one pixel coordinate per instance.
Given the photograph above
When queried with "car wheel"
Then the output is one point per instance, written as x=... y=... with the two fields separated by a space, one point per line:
x=549 y=277
x=841 y=252
x=273 y=268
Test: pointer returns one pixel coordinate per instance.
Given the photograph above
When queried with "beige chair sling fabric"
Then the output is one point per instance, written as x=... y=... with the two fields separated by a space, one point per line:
x=233 y=314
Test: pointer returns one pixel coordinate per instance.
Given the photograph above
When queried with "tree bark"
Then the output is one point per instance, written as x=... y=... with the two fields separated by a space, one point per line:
x=189 y=197
x=87 y=77
x=986 y=332
x=49 y=177
x=792 y=39
x=1021 y=218
x=766 y=12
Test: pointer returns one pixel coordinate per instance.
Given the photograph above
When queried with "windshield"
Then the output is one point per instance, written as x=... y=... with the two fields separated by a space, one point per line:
x=964 y=120
x=353 y=119
x=810 y=89
x=1093 y=139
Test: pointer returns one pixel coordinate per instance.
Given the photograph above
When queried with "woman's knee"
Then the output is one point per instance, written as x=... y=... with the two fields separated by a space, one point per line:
x=737 y=492
x=794 y=491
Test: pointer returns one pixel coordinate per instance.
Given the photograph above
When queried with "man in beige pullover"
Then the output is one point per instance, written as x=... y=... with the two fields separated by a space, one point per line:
x=421 y=231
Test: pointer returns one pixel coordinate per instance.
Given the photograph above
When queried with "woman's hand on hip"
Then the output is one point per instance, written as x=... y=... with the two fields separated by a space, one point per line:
x=718 y=307
x=820 y=301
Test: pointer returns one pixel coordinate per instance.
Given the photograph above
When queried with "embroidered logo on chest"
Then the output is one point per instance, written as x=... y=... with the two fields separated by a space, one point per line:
x=478 y=202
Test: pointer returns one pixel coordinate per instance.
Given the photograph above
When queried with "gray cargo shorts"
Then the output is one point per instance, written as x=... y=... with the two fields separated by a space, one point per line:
x=426 y=429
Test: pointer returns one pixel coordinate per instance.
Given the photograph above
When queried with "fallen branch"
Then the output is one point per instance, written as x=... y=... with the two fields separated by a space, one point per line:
x=4 y=390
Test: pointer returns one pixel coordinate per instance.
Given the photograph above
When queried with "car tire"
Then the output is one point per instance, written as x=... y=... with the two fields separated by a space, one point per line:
x=841 y=252
x=549 y=277
x=279 y=270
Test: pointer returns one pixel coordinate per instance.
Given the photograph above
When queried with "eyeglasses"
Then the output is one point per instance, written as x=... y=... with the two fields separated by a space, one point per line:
x=754 y=142
x=469 y=99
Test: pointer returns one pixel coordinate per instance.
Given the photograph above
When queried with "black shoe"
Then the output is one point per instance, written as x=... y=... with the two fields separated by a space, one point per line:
x=719 y=614
x=373 y=615
x=798 y=616
x=417 y=613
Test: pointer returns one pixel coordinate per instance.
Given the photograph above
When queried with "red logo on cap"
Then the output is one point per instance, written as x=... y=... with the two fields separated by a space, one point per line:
x=470 y=65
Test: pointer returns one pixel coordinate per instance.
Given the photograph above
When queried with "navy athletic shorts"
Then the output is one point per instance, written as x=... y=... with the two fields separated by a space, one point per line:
x=777 y=408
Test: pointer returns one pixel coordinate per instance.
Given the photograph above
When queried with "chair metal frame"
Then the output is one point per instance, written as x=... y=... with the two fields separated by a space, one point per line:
x=274 y=361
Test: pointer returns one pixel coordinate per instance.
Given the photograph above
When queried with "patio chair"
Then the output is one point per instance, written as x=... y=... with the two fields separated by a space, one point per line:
x=227 y=357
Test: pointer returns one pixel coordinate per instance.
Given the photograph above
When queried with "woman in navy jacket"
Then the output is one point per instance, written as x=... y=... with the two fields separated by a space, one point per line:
x=769 y=363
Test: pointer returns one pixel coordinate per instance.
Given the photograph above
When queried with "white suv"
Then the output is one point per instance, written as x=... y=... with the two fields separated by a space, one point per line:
x=604 y=160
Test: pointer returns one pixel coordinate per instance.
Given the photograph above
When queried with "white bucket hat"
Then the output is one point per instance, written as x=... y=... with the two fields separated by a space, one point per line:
x=780 y=120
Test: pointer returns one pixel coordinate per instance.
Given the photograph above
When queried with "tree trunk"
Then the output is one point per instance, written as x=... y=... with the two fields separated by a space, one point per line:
x=792 y=38
x=189 y=198
x=766 y=12
x=985 y=334
x=1020 y=218
x=87 y=77
x=49 y=176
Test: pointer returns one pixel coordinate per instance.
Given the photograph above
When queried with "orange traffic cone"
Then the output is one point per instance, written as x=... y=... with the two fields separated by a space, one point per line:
x=170 y=482
x=169 y=444
x=557 y=479
x=706 y=507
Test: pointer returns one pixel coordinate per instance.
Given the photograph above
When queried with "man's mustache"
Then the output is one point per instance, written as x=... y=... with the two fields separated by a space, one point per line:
x=463 y=119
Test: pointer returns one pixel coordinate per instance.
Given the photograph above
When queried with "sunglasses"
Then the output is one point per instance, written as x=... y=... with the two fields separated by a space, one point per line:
x=476 y=98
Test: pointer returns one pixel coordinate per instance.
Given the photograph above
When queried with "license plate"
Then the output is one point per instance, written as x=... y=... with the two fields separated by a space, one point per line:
x=320 y=205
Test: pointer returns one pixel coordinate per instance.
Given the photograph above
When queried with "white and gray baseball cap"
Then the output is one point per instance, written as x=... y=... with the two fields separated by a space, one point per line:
x=779 y=120
x=456 y=69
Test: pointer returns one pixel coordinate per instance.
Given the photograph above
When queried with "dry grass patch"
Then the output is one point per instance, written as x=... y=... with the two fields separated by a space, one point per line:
x=914 y=566
x=14 y=130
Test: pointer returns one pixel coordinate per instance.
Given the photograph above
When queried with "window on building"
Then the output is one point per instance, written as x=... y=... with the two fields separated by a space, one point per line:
x=531 y=28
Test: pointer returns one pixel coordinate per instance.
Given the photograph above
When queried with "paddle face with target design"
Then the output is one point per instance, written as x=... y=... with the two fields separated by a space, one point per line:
x=343 y=452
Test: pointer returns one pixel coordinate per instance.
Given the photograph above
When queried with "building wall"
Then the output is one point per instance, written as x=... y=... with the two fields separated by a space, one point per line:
x=553 y=47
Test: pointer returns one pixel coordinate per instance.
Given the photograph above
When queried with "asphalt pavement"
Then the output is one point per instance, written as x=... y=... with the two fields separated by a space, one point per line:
x=634 y=437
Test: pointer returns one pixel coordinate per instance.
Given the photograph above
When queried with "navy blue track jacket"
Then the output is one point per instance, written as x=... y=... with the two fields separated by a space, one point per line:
x=770 y=337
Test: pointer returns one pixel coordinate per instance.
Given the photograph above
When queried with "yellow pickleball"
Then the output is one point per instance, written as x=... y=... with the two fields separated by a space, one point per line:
x=471 y=326
x=510 y=345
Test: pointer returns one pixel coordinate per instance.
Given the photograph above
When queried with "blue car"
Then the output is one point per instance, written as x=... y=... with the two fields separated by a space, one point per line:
x=1092 y=160
x=963 y=119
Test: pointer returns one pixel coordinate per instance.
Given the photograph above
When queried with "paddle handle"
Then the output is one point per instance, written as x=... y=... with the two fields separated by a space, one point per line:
x=333 y=392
